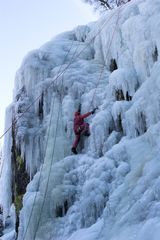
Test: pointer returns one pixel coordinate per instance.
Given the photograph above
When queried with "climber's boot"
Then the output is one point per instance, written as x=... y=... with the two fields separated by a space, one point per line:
x=74 y=150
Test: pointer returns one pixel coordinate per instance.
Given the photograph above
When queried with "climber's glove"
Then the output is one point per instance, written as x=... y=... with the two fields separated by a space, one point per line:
x=94 y=110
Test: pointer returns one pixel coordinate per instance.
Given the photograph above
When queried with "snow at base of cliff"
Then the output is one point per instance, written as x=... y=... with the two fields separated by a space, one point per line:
x=111 y=189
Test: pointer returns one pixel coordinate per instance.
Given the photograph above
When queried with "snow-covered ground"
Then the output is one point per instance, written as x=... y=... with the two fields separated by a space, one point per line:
x=111 y=189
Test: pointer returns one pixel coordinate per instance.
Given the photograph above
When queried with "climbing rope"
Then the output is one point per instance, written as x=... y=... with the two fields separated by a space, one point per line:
x=51 y=114
x=60 y=74
x=48 y=179
x=46 y=190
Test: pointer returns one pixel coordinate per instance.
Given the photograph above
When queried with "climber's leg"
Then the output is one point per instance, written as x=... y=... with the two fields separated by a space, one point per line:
x=75 y=144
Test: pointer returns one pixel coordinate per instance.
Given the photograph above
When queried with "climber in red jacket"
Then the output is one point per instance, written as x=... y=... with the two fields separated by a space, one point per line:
x=80 y=127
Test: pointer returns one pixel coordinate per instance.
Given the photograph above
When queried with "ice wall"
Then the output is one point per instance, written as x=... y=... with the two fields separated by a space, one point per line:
x=110 y=190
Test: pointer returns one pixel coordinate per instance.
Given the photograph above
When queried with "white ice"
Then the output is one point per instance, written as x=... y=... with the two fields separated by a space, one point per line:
x=110 y=190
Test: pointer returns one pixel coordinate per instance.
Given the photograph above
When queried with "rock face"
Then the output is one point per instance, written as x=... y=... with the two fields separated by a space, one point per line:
x=110 y=190
x=1 y=222
x=20 y=177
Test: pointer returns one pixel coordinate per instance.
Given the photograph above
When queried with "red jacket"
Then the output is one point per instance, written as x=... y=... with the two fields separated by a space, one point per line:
x=79 y=119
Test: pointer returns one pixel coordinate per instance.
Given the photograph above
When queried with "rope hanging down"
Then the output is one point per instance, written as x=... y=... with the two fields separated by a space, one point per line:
x=46 y=190
x=49 y=127
x=52 y=83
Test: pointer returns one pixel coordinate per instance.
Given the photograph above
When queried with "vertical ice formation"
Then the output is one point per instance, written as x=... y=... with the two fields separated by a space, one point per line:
x=111 y=189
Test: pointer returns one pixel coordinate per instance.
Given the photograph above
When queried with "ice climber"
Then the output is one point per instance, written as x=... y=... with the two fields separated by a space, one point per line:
x=80 y=127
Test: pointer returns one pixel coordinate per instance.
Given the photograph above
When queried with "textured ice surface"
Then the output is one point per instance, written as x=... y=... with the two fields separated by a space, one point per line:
x=110 y=191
